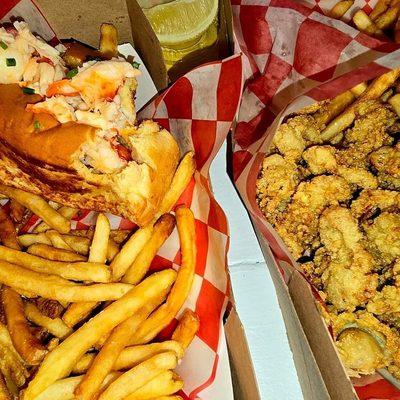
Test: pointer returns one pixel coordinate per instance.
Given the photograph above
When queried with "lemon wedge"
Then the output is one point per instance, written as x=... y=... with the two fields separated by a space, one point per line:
x=181 y=23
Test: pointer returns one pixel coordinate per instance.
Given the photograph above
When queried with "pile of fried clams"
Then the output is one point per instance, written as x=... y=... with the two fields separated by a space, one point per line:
x=330 y=186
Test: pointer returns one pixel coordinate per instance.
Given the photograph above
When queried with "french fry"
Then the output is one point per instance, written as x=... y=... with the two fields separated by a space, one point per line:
x=141 y=264
x=79 y=244
x=364 y=24
x=374 y=91
x=340 y=8
x=187 y=328
x=112 y=250
x=168 y=398
x=77 y=312
x=54 y=254
x=17 y=211
x=333 y=108
x=53 y=325
x=50 y=308
x=12 y=365
x=116 y=342
x=56 y=288
x=359 y=89
x=4 y=392
x=62 y=359
x=53 y=343
x=132 y=355
x=28 y=239
x=119 y=235
x=130 y=251
x=30 y=349
x=380 y=7
x=164 y=384
x=80 y=271
x=39 y=207
x=179 y=292
x=98 y=249
x=65 y=211
x=8 y=234
x=64 y=388
x=388 y=18
x=395 y=103
x=138 y=376
x=181 y=179
x=108 y=41
x=57 y=240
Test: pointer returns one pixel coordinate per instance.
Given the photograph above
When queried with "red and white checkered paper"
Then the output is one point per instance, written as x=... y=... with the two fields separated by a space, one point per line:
x=295 y=56
x=198 y=110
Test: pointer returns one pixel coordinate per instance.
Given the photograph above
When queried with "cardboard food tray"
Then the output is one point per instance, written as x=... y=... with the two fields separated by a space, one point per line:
x=81 y=20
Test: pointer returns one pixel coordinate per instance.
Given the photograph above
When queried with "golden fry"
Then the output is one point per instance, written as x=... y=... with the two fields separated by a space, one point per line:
x=108 y=41
x=98 y=249
x=4 y=392
x=39 y=207
x=62 y=359
x=366 y=25
x=53 y=325
x=77 y=312
x=119 y=236
x=65 y=211
x=359 y=89
x=132 y=355
x=395 y=103
x=80 y=271
x=30 y=349
x=187 y=328
x=105 y=359
x=57 y=240
x=138 y=376
x=374 y=91
x=340 y=8
x=388 y=18
x=54 y=254
x=130 y=251
x=164 y=384
x=380 y=7
x=8 y=234
x=64 y=388
x=56 y=288
x=28 y=239
x=50 y=308
x=181 y=179
x=141 y=264
x=17 y=211
x=179 y=292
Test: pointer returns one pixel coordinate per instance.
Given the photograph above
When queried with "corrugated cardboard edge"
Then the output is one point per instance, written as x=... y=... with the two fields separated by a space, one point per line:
x=321 y=374
x=243 y=376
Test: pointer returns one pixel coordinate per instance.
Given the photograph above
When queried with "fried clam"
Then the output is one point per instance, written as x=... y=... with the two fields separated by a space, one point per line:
x=348 y=280
x=276 y=184
x=314 y=269
x=295 y=135
x=383 y=234
x=369 y=133
x=369 y=202
x=324 y=159
x=363 y=342
x=298 y=226
x=386 y=161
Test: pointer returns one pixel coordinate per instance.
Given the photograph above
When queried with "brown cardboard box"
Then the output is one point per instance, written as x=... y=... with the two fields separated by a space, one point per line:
x=81 y=20
x=321 y=374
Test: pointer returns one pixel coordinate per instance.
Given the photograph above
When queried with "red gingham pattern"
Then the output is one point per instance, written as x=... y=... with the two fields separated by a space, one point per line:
x=198 y=109
x=296 y=56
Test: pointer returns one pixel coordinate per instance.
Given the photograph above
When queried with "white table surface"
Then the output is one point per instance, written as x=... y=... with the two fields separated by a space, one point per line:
x=255 y=296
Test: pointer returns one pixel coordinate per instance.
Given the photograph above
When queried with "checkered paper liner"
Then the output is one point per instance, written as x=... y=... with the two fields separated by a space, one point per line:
x=294 y=56
x=198 y=110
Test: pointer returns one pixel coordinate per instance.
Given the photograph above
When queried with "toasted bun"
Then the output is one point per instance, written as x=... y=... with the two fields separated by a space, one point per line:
x=45 y=162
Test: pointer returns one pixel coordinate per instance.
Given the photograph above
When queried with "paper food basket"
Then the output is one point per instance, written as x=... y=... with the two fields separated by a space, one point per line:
x=294 y=56
x=198 y=109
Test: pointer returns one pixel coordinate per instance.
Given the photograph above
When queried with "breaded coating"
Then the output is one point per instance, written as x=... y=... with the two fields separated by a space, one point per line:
x=276 y=184
x=294 y=135
x=368 y=133
x=383 y=235
x=364 y=343
x=298 y=226
x=323 y=159
x=386 y=161
x=348 y=280
x=371 y=201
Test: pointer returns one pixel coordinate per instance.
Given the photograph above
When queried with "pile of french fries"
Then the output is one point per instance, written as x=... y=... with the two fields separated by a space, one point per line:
x=80 y=310
x=383 y=21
